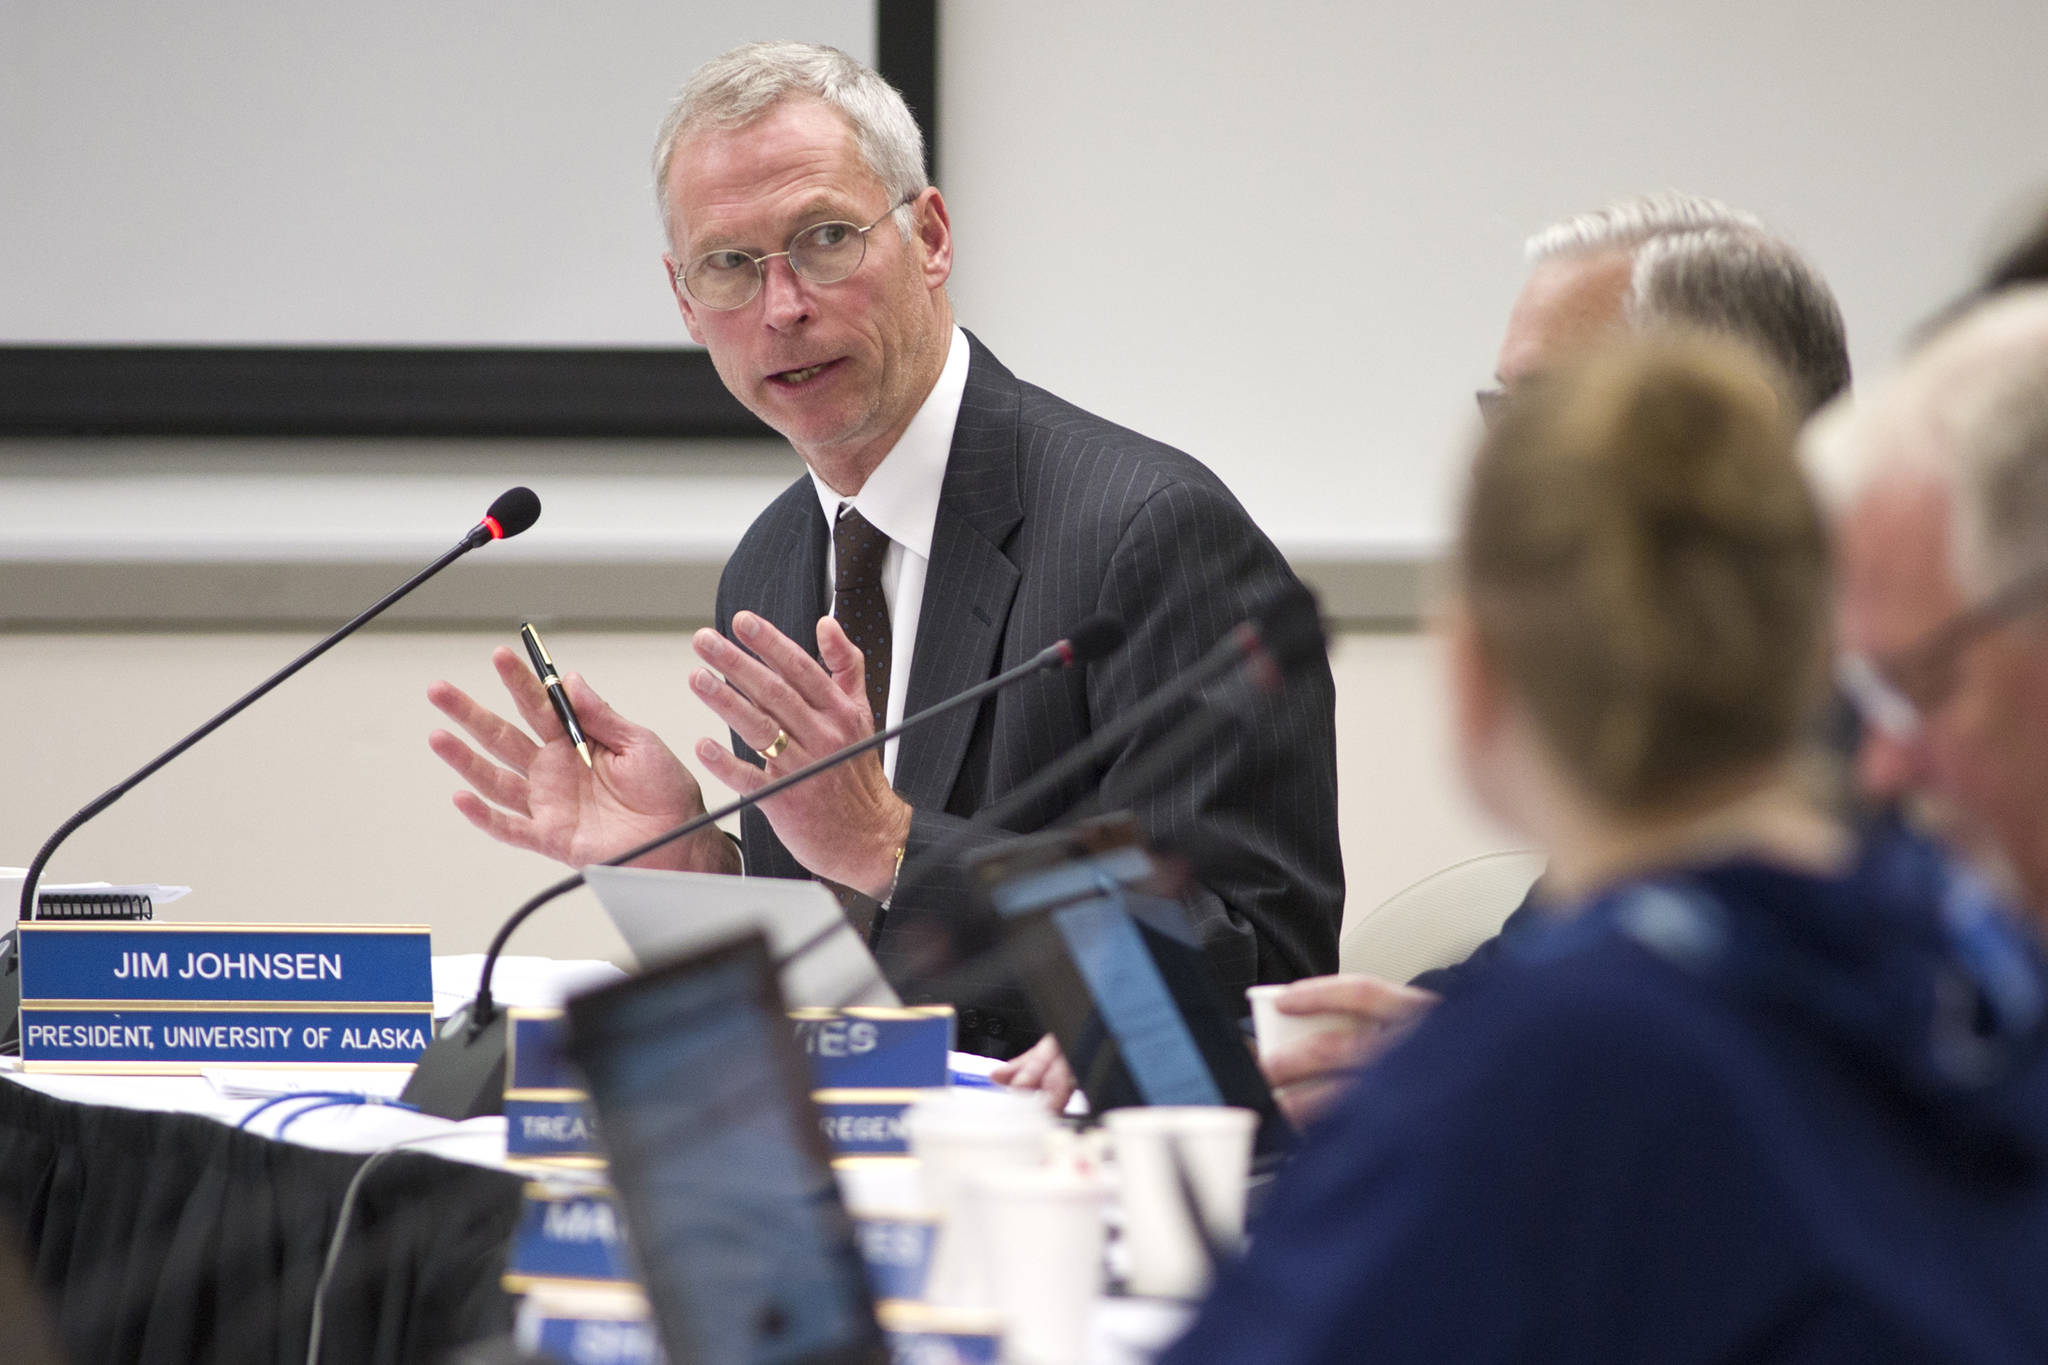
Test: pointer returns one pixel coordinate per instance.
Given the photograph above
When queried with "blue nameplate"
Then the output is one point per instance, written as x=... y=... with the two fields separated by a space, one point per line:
x=547 y=1115
x=125 y=1039
x=551 y=1129
x=535 y=1054
x=875 y=1048
x=576 y=1340
x=864 y=1122
x=566 y=1235
x=104 y=962
x=897 y=1253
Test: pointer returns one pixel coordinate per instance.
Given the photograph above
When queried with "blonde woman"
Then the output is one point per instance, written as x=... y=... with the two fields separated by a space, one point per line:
x=1761 y=1092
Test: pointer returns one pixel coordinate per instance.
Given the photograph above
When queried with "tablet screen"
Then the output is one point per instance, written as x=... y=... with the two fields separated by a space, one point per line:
x=1113 y=967
x=734 y=1217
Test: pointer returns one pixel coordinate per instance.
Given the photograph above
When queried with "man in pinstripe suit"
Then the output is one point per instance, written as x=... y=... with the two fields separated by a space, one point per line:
x=997 y=518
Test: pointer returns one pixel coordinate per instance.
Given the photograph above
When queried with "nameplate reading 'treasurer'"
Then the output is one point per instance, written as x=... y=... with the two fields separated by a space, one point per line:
x=548 y=1118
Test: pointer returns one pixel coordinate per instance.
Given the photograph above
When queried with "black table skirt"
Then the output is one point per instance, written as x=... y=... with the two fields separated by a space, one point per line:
x=168 y=1239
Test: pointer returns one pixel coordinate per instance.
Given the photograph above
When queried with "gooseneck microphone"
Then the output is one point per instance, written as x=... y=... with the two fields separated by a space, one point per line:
x=1283 y=632
x=515 y=510
x=462 y=1074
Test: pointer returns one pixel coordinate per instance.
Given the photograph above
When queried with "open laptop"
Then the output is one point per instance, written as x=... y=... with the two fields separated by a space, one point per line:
x=734 y=1216
x=663 y=915
x=1093 y=928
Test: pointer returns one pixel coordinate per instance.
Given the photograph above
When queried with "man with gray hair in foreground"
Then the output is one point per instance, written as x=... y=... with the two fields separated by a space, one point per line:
x=1663 y=261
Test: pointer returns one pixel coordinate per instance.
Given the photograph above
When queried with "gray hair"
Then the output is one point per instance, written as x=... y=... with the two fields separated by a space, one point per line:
x=1699 y=263
x=1970 y=410
x=737 y=87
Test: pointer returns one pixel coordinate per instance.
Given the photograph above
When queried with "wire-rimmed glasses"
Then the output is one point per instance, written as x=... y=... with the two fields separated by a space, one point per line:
x=1895 y=693
x=823 y=253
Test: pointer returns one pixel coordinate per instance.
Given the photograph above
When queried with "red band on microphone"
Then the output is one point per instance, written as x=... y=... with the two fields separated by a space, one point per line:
x=1066 y=650
x=497 y=531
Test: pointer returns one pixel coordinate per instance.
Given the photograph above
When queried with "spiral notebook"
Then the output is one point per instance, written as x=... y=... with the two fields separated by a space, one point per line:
x=87 y=900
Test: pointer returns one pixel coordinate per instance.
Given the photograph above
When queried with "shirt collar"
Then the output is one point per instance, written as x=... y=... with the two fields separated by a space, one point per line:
x=901 y=498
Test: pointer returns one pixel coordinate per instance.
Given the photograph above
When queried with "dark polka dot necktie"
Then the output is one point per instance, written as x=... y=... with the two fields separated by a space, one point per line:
x=857 y=600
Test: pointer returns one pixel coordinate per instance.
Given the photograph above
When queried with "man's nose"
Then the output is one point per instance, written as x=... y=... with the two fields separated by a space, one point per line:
x=785 y=295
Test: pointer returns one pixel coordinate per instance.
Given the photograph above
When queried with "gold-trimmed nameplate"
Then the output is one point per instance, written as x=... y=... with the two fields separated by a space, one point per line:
x=156 y=998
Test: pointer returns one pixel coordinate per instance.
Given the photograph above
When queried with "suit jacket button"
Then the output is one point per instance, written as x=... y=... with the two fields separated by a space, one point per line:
x=995 y=1026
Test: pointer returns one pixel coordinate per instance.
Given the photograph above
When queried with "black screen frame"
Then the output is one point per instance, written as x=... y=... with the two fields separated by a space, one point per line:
x=415 y=391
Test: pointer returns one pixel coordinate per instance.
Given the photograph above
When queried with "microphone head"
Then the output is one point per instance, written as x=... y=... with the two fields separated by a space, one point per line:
x=1095 y=638
x=515 y=510
x=1291 y=627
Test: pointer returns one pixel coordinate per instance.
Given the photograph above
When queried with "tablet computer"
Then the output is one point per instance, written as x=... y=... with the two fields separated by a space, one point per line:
x=721 y=1168
x=1093 y=927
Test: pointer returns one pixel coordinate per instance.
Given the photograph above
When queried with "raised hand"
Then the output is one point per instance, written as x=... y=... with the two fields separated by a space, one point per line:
x=538 y=795
x=847 y=823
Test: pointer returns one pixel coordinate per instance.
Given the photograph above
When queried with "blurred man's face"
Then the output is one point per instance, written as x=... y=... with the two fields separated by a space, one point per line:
x=1977 y=765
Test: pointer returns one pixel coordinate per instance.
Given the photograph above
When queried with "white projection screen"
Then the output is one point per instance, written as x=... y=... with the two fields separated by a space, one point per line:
x=232 y=217
x=242 y=172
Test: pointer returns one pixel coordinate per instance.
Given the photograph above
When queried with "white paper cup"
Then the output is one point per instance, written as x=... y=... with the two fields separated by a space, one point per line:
x=1048 y=1226
x=1165 y=1257
x=1276 y=1030
x=954 y=1134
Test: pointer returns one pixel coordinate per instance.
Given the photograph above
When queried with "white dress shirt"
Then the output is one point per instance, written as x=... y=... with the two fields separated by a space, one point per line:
x=901 y=500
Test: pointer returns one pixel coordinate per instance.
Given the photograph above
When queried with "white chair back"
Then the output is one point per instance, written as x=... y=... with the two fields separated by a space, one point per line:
x=1440 y=919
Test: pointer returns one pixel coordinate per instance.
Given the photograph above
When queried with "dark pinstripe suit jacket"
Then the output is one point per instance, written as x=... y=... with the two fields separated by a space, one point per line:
x=1049 y=514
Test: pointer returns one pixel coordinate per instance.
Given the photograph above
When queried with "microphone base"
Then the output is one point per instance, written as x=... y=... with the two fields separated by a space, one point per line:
x=462 y=1076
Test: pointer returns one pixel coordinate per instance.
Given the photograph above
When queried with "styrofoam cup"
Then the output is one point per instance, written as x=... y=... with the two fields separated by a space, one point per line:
x=953 y=1134
x=1165 y=1254
x=1276 y=1030
x=1047 y=1226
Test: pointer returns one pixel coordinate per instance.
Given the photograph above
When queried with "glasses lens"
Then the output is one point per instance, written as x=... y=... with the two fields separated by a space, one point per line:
x=829 y=252
x=722 y=279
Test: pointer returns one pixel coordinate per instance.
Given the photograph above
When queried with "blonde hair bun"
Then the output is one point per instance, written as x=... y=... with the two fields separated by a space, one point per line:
x=1647 y=567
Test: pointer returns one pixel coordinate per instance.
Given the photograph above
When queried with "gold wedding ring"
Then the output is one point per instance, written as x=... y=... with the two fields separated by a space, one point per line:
x=776 y=745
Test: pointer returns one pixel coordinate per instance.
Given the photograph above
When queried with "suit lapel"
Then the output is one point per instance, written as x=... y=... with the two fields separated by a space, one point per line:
x=792 y=596
x=970 y=582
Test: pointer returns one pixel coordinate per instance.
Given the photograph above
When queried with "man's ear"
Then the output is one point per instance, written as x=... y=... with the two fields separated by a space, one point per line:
x=683 y=301
x=934 y=233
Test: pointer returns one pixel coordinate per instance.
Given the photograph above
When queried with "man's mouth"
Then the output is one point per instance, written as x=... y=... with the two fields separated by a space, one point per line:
x=796 y=379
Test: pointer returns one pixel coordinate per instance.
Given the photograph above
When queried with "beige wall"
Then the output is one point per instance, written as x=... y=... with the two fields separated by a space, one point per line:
x=323 y=803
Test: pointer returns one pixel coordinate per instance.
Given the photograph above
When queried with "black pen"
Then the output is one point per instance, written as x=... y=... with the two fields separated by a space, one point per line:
x=559 y=695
